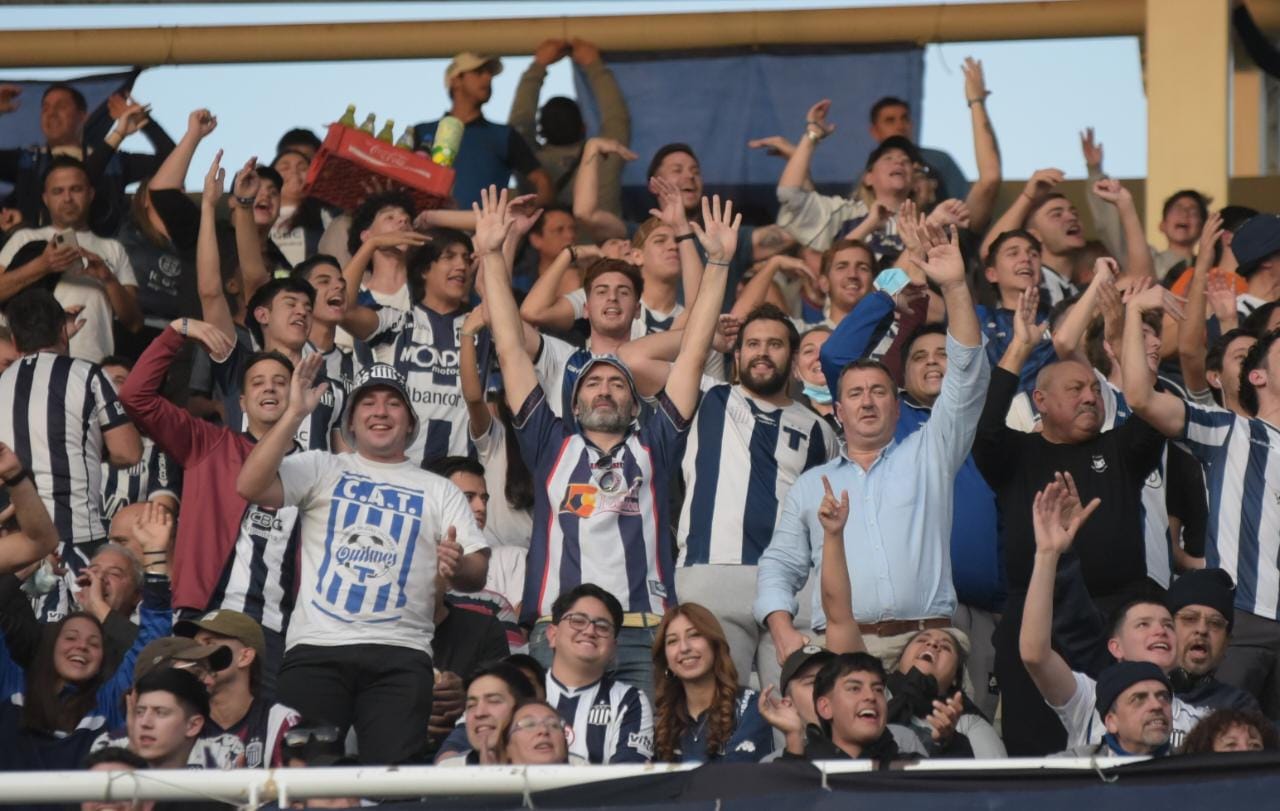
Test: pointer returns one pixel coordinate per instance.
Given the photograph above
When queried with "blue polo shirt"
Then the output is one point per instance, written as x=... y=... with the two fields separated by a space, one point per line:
x=489 y=153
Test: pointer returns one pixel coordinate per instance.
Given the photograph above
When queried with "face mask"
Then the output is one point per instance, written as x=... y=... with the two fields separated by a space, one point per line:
x=819 y=394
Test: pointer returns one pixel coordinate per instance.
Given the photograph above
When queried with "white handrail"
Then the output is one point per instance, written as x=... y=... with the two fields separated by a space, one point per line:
x=242 y=786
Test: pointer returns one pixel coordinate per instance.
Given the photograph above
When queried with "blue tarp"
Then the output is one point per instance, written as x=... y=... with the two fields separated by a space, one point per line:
x=718 y=100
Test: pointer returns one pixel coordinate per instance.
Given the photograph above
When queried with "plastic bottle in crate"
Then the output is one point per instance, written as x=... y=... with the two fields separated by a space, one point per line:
x=368 y=124
x=349 y=117
x=406 y=140
x=444 y=148
x=388 y=131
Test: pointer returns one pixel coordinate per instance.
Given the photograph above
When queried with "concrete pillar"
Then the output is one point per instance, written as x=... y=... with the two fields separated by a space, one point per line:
x=1188 y=126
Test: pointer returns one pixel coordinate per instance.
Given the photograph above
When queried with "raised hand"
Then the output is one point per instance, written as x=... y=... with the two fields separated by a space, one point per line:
x=92 y=598
x=400 y=240
x=153 y=528
x=1092 y=149
x=132 y=118
x=833 y=513
x=1026 y=331
x=214 y=180
x=780 y=712
x=944 y=264
x=448 y=554
x=1042 y=181
x=10 y=464
x=1158 y=297
x=550 y=51
x=304 y=394
x=1221 y=296
x=1112 y=191
x=9 y=94
x=719 y=230
x=58 y=258
x=975 y=83
x=583 y=53
x=525 y=212
x=816 y=119
x=793 y=268
x=1057 y=515
x=493 y=220
x=247 y=181
x=201 y=123
x=609 y=146
x=1209 y=236
x=670 y=204
x=216 y=342
x=774 y=145
x=949 y=212
x=726 y=334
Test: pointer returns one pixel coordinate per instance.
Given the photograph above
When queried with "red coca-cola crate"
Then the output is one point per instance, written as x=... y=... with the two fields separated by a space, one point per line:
x=349 y=157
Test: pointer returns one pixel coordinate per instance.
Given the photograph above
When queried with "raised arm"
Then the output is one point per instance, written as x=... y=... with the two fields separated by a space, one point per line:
x=1192 y=335
x=469 y=374
x=253 y=268
x=1056 y=516
x=1026 y=332
x=37 y=537
x=172 y=174
x=986 y=151
x=543 y=306
x=719 y=238
x=493 y=221
x=1040 y=183
x=600 y=225
x=259 y=479
x=213 y=300
x=360 y=320
x=671 y=211
x=1163 y=411
x=816 y=127
x=945 y=268
x=843 y=634
x=1137 y=258
x=1069 y=335
x=524 y=104
x=1106 y=219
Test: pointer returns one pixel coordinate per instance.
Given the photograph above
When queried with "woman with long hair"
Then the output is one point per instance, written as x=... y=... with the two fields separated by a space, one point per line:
x=700 y=713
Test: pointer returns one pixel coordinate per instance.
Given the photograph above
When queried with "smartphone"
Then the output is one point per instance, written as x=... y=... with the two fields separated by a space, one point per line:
x=892 y=280
x=66 y=238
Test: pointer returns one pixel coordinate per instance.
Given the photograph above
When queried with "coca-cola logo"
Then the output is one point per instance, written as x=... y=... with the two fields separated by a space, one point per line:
x=388 y=154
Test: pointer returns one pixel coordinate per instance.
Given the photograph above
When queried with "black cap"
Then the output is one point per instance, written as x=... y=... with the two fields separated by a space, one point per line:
x=1211 y=587
x=1120 y=677
x=895 y=142
x=1254 y=241
x=808 y=654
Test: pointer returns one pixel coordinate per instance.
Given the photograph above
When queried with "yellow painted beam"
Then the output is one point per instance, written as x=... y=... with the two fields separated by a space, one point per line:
x=1247 y=106
x=1188 y=71
x=412 y=40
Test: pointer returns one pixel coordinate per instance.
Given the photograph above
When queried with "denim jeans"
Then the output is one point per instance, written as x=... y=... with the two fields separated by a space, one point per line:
x=632 y=663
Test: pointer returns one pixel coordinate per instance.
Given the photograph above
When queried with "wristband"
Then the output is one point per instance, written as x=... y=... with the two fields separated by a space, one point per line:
x=718 y=264
x=975 y=101
x=25 y=473
x=573 y=255
x=247 y=202
x=683 y=237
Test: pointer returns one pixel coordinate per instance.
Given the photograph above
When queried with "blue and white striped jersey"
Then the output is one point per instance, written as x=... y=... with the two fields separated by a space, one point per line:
x=425 y=351
x=600 y=515
x=608 y=721
x=369 y=536
x=1241 y=461
x=743 y=456
x=155 y=474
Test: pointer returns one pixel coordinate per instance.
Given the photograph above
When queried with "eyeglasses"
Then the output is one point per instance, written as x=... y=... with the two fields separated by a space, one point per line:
x=530 y=724
x=607 y=479
x=1194 y=618
x=301 y=736
x=579 y=622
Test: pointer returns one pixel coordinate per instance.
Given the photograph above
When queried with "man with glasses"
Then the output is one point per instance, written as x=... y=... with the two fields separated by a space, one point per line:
x=610 y=722
x=1201 y=602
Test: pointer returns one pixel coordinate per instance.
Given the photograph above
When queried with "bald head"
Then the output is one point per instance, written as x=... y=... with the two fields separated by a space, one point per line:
x=1068 y=396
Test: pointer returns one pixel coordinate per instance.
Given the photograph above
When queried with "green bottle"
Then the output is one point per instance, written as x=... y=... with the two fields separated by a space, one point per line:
x=368 y=124
x=349 y=117
x=406 y=140
x=388 y=131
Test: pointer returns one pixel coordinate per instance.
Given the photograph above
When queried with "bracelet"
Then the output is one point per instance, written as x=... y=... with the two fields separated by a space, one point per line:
x=976 y=101
x=244 y=201
x=683 y=237
x=25 y=473
x=717 y=264
x=185 y=323
x=573 y=255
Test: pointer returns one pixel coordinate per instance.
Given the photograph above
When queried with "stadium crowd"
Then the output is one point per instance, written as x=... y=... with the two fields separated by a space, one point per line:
x=900 y=474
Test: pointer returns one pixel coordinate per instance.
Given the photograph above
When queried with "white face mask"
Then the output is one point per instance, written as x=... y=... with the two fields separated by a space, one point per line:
x=42 y=582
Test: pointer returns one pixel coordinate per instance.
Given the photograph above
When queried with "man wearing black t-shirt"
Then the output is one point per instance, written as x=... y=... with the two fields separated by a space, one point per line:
x=1113 y=465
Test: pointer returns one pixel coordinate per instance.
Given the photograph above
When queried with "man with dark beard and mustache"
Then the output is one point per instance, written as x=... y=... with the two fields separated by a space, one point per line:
x=748 y=444
x=1109 y=552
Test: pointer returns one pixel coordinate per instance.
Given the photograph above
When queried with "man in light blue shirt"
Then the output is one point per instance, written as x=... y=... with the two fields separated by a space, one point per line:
x=898 y=536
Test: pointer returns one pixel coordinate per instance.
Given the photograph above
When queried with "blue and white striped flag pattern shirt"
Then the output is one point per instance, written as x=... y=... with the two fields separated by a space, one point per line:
x=743 y=456
x=600 y=515
x=54 y=410
x=608 y=721
x=1241 y=461
x=156 y=474
x=425 y=351
x=369 y=536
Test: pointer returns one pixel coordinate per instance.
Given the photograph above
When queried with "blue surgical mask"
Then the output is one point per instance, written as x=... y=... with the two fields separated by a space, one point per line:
x=819 y=394
x=41 y=582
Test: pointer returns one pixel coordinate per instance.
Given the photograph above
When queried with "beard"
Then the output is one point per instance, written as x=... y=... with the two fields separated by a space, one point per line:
x=607 y=419
x=766 y=386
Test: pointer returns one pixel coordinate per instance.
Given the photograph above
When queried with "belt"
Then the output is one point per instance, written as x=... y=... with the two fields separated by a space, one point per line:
x=895 y=627
x=633 y=619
